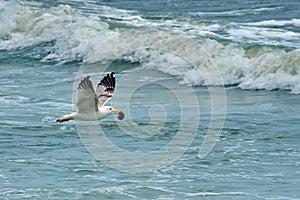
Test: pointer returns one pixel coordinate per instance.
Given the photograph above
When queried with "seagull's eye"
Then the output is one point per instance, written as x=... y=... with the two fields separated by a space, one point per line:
x=110 y=108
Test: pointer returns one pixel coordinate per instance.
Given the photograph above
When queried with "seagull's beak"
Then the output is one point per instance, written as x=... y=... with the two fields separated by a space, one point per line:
x=119 y=113
x=115 y=111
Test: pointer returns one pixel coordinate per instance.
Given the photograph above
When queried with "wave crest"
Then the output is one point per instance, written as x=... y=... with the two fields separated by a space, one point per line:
x=71 y=34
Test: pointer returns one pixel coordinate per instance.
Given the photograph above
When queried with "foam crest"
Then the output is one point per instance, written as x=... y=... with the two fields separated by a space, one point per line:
x=71 y=33
x=239 y=12
x=272 y=32
x=263 y=35
x=256 y=67
x=252 y=68
x=292 y=22
x=67 y=34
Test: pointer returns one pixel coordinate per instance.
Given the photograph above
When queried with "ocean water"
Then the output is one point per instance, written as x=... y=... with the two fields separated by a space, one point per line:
x=210 y=92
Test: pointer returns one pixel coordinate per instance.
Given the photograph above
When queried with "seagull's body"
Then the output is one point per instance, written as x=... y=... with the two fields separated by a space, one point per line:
x=90 y=103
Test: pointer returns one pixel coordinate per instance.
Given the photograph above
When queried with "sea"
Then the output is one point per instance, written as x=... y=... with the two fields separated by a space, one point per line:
x=210 y=90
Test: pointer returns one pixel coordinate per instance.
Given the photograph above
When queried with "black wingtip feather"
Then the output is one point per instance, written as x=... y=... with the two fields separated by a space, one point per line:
x=109 y=81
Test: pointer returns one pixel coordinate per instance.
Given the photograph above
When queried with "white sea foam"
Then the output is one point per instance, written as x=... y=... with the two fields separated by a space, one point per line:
x=72 y=34
x=292 y=22
x=256 y=68
x=261 y=68
x=114 y=13
x=263 y=35
x=239 y=12
x=266 y=32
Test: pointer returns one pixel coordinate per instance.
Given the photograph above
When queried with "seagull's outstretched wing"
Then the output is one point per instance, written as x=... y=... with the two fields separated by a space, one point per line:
x=105 y=89
x=86 y=99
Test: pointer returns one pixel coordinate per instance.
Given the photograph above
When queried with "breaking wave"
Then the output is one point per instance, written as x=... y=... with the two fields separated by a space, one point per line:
x=256 y=55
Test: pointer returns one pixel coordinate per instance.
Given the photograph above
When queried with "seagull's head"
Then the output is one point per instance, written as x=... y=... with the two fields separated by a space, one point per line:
x=109 y=110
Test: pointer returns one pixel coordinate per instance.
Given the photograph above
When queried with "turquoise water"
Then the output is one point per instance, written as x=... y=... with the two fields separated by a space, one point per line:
x=255 y=47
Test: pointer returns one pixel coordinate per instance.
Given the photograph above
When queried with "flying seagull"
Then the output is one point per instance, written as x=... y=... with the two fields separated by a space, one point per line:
x=90 y=103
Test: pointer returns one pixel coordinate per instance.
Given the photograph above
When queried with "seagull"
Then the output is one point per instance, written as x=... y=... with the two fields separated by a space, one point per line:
x=90 y=103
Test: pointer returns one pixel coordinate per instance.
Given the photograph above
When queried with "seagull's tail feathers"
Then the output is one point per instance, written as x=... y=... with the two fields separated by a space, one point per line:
x=65 y=118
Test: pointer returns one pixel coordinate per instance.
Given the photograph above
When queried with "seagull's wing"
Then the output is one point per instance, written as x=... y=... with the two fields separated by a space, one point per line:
x=86 y=99
x=105 y=89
